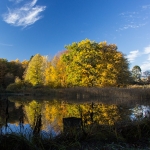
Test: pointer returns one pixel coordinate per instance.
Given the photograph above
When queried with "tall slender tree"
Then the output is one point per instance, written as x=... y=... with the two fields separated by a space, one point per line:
x=34 y=73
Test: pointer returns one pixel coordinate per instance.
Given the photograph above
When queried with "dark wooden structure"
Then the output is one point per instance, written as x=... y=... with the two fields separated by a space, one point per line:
x=72 y=124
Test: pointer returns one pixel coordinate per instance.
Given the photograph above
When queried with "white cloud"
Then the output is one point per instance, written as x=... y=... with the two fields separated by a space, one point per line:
x=144 y=56
x=132 y=55
x=145 y=66
x=147 y=50
x=24 y=16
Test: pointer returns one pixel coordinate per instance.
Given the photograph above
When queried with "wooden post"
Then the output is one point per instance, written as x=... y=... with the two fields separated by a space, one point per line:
x=72 y=124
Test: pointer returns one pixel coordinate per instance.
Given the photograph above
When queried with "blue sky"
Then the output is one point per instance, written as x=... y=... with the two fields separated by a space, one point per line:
x=28 y=27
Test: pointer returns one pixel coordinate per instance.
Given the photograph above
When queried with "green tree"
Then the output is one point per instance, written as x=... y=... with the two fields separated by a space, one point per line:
x=95 y=64
x=136 y=73
x=34 y=73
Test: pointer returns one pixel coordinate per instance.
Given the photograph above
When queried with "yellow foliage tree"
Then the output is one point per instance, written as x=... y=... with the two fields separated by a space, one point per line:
x=34 y=73
x=55 y=74
x=95 y=64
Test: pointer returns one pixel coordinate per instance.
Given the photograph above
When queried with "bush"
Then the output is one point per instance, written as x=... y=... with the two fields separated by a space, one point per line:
x=18 y=86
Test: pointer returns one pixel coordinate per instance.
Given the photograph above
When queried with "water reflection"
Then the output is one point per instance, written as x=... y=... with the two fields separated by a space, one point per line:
x=45 y=116
x=27 y=130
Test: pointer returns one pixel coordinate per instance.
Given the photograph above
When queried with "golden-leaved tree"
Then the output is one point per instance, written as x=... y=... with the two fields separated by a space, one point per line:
x=55 y=73
x=35 y=71
x=95 y=64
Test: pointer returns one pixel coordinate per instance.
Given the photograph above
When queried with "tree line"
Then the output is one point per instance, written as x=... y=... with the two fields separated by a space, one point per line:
x=9 y=71
x=85 y=63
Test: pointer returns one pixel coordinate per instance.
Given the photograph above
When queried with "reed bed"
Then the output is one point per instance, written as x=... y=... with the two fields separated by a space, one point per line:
x=80 y=93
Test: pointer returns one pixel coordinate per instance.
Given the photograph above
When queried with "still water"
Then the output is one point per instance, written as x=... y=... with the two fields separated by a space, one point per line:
x=29 y=116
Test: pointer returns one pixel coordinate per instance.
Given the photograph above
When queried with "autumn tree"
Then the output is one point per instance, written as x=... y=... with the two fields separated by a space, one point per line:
x=55 y=73
x=50 y=76
x=95 y=64
x=35 y=71
x=10 y=70
x=15 y=68
x=24 y=64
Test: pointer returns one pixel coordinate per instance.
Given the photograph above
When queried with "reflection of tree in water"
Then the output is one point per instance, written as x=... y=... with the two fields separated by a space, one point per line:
x=33 y=114
x=100 y=113
x=55 y=111
x=10 y=114
x=2 y=112
x=42 y=114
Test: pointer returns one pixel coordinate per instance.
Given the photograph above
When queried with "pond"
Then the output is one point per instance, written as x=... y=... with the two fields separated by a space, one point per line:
x=30 y=115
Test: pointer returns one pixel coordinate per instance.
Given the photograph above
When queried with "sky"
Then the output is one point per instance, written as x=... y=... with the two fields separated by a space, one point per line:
x=28 y=27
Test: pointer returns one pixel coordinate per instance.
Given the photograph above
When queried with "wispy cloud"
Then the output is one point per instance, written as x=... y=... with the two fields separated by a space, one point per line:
x=135 y=19
x=132 y=55
x=131 y=26
x=24 y=16
x=3 y=44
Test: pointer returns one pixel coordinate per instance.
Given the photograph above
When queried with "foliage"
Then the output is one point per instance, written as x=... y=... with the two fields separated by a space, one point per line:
x=85 y=64
x=51 y=76
x=34 y=73
x=95 y=64
x=10 y=70
x=18 y=86
x=55 y=73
